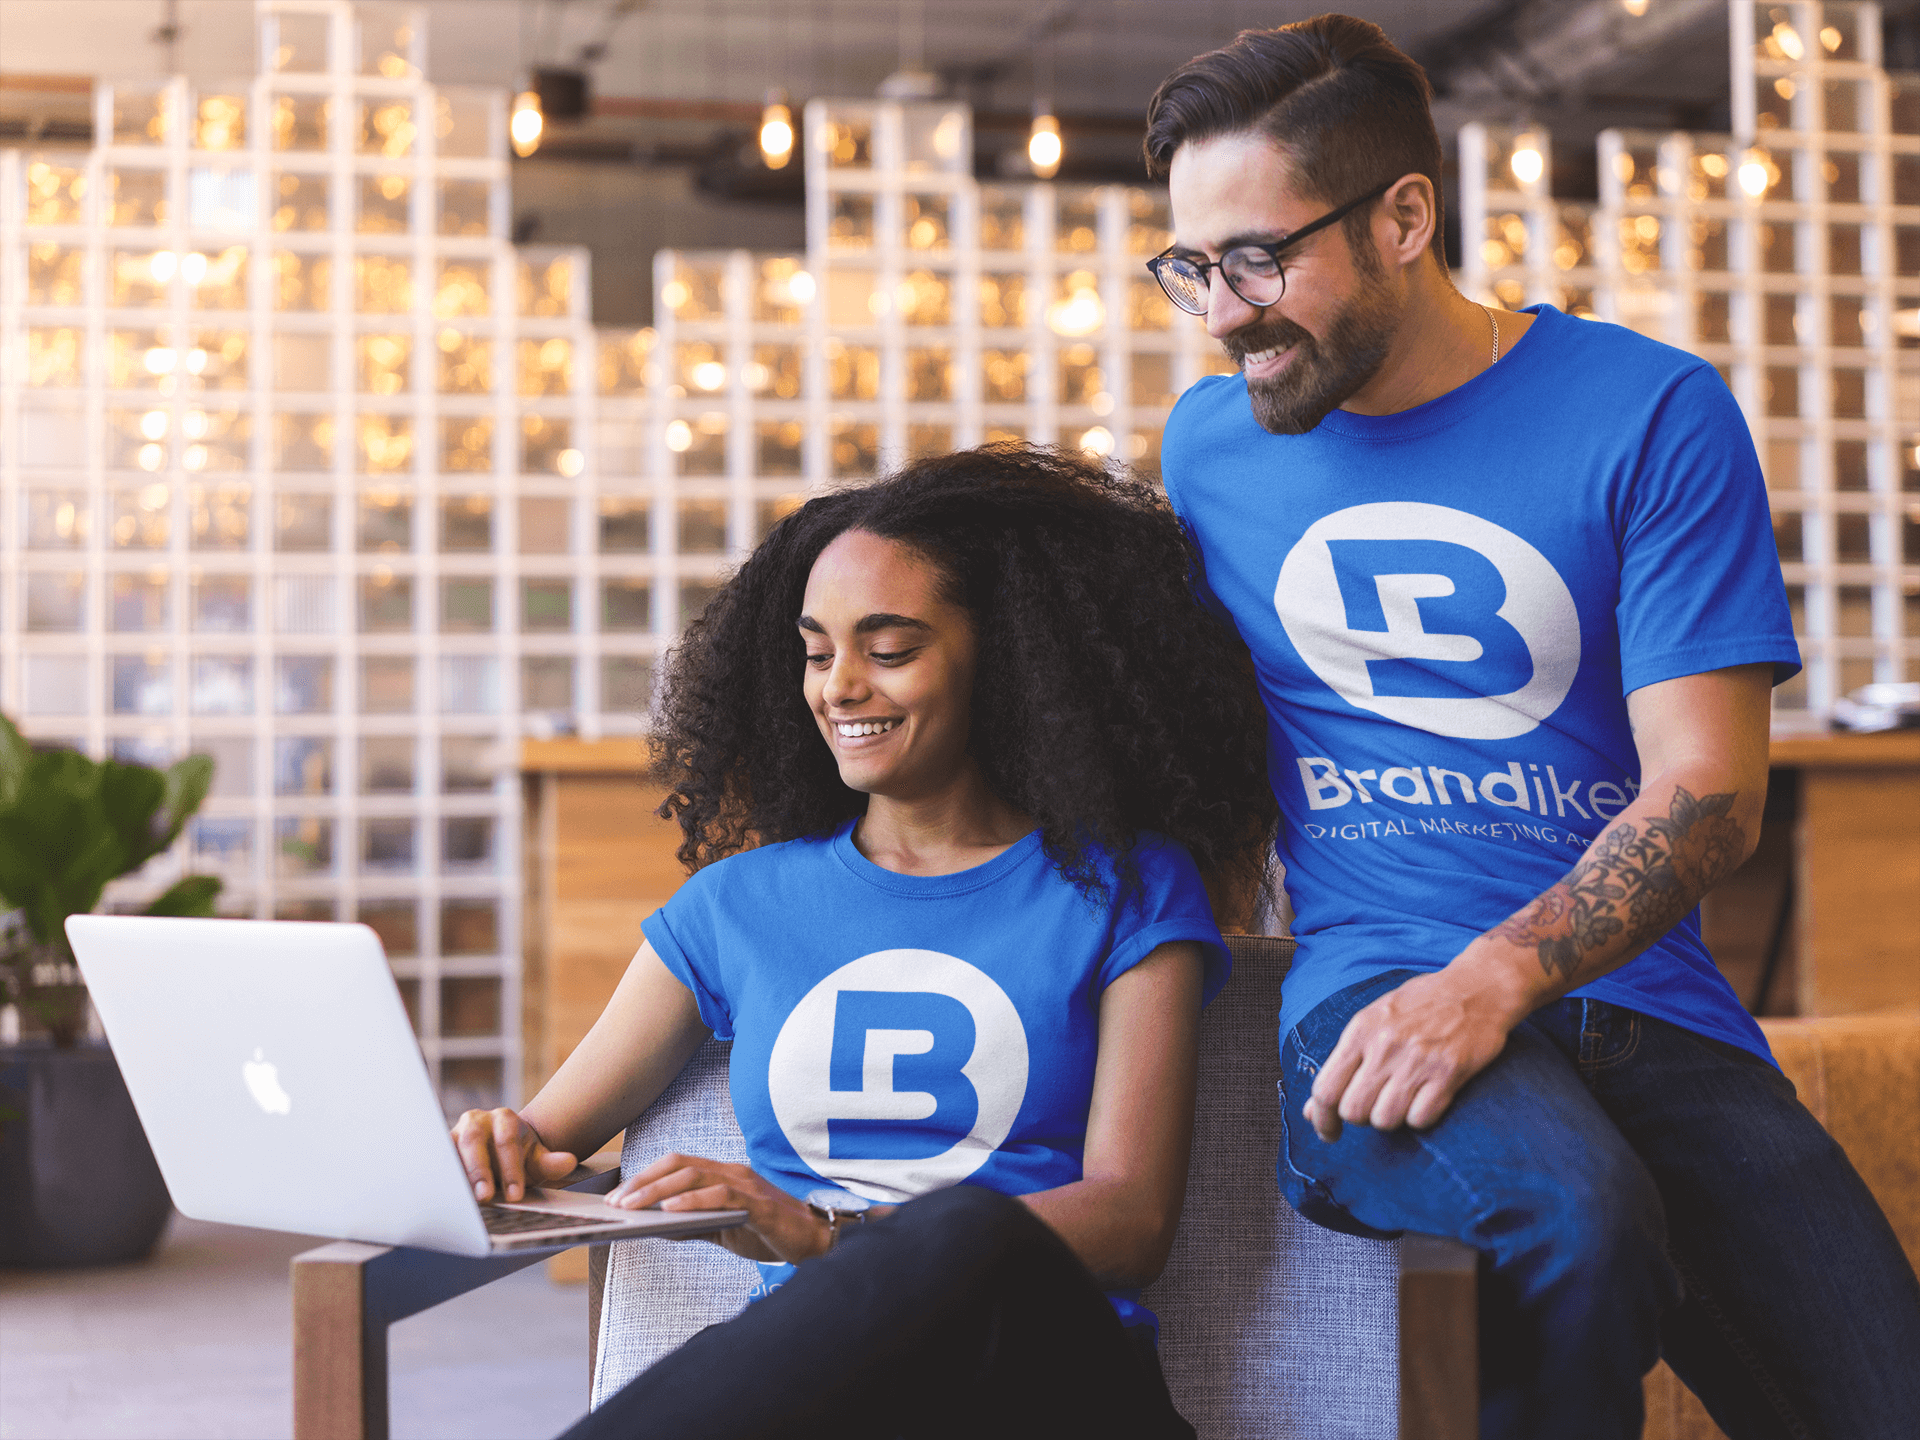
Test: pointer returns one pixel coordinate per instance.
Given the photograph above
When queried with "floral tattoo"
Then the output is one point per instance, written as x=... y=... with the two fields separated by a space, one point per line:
x=1637 y=882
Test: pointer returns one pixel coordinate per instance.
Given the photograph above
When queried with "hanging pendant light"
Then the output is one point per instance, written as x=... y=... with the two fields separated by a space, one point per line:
x=526 y=123
x=776 y=131
x=1044 y=148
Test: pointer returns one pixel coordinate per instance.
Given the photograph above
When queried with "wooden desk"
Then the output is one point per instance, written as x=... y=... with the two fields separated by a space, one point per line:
x=1856 y=876
x=598 y=862
x=1841 y=843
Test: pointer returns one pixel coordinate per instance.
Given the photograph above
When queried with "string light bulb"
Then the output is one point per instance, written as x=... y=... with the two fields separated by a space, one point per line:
x=527 y=123
x=1527 y=163
x=776 y=131
x=1755 y=174
x=1044 y=148
x=1635 y=8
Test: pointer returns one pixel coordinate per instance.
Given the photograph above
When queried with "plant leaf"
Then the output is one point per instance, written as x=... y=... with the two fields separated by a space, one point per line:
x=186 y=785
x=15 y=758
x=130 y=801
x=191 y=896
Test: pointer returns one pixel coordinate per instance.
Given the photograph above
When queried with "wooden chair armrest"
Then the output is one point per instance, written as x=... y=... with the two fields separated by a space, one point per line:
x=346 y=1294
x=1439 y=1339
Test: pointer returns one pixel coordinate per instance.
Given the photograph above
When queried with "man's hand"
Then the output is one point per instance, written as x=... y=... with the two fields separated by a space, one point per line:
x=1403 y=1058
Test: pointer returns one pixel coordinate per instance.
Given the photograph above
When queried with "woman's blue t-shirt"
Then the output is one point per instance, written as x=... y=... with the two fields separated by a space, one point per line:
x=896 y=1034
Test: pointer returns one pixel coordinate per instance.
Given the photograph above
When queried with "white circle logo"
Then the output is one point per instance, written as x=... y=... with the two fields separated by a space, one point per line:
x=900 y=1073
x=1350 y=599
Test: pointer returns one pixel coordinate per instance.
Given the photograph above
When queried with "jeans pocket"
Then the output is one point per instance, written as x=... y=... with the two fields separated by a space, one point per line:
x=1320 y=1028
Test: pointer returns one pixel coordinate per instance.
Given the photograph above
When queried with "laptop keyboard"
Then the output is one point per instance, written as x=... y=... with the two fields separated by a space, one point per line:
x=503 y=1221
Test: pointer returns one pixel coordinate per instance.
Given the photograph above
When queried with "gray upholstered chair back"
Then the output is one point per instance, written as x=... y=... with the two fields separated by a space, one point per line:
x=1270 y=1326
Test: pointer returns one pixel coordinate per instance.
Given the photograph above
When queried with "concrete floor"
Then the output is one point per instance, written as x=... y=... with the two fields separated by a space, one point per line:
x=196 y=1344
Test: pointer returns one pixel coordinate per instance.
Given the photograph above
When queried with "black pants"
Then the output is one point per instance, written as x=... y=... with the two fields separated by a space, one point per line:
x=960 y=1315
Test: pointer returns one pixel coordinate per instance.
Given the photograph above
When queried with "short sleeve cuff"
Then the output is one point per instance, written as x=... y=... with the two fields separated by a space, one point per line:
x=713 y=1012
x=1779 y=651
x=1142 y=943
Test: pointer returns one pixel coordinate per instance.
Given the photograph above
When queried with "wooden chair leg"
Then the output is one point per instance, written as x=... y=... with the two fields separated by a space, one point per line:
x=339 y=1357
x=346 y=1294
x=1439 y=1340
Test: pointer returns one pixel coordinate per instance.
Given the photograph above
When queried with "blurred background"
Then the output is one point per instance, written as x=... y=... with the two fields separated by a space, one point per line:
x=385 y=386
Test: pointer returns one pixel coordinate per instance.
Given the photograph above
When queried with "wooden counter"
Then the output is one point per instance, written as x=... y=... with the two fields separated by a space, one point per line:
x=1856 y=870
x=1832 y=894
x=598 y=862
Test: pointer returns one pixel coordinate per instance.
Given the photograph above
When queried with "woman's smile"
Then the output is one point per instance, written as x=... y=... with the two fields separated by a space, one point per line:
x=862 y=733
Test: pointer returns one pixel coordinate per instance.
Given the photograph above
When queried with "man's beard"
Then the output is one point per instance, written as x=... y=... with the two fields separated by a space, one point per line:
x=1321 y=373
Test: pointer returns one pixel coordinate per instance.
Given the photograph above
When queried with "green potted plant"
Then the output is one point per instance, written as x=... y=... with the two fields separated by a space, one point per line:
x=78 y=1182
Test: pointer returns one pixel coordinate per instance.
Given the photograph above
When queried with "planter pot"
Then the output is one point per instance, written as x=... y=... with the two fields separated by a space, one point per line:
x=78 y=1182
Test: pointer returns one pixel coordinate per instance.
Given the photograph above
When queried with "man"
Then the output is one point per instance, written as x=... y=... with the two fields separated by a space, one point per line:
x=1509 y=590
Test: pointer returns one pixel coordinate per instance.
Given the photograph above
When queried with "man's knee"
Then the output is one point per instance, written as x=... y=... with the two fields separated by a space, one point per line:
x=1601 y=1226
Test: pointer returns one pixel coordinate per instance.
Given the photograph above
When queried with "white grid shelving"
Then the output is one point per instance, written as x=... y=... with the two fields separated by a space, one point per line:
x=293 y=470
x=1787 y=254
x=303 y=463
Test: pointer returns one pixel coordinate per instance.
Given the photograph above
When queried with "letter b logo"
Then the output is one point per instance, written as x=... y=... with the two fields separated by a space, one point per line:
x=899 y=1073
x=1431 y=617
x=902 y=1049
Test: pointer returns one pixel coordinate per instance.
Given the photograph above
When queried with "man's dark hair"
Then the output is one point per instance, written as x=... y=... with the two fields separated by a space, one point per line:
x=1349 y=107
x=1106 y=700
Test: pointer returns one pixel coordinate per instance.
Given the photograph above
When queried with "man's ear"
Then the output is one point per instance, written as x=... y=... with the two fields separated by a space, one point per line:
x=1408 y=214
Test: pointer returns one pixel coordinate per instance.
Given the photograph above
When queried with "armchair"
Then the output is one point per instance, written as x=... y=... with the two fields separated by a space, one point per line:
x=1272 y=1326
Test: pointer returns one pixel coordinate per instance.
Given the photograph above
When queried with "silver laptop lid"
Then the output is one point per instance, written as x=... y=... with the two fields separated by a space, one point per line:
x=278 y=1079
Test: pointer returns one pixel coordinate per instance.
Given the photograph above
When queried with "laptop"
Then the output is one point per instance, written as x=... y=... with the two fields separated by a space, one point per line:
x=276 y=1073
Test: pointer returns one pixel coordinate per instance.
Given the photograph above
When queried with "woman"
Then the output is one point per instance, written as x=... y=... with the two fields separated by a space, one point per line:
x=951 y=754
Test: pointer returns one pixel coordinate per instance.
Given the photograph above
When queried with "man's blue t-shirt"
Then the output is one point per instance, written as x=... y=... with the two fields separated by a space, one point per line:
x=1447 y=608
x=897 y=1034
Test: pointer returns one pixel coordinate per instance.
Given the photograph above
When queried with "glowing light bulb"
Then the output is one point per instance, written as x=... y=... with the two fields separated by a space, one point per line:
x=526 y=124
x=1635 y=8
x=570 y=463
x=153 y=424
x=1755 y=175
x=800 y=287
x=679 y=436
x=162 y=266
x=1081 y=313
x=709 y=375
x=1527 y=164
x=194 y=267
x=158 y=360
x=1097 y=441
x=776 y=132
x=1043 y=146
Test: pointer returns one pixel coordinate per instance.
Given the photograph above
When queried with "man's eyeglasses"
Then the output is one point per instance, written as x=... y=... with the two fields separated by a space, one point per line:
x=1253 y=272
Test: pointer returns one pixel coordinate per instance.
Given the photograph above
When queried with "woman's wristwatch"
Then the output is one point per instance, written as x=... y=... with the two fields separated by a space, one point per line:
x=838 y=1207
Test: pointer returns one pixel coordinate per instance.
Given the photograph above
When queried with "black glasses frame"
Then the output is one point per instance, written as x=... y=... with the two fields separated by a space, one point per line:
x=1273 y=248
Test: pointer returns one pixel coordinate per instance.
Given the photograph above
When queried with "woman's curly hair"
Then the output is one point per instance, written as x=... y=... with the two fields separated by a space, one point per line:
x=1106 y=700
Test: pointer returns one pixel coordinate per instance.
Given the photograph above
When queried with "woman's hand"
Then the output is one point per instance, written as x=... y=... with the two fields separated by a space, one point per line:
x=503 y=1155
x=779 y=1227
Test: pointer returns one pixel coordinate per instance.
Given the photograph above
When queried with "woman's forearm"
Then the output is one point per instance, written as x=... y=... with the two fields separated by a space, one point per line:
x=1122 y=1232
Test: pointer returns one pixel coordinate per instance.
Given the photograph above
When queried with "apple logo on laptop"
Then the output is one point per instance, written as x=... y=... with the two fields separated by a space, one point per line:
x=263 y=1083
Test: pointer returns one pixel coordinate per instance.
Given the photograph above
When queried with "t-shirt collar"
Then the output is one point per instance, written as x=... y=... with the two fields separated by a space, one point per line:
x=1483 y=389
x=932 y=886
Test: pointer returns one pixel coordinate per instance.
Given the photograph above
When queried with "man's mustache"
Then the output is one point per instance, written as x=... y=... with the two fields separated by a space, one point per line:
x=1279 y=333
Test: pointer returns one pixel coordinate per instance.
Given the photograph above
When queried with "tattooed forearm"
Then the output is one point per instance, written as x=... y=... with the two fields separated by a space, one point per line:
x=1638 y=880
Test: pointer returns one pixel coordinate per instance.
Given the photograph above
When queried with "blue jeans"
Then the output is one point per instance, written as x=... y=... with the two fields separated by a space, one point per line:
x=1636 y=1192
